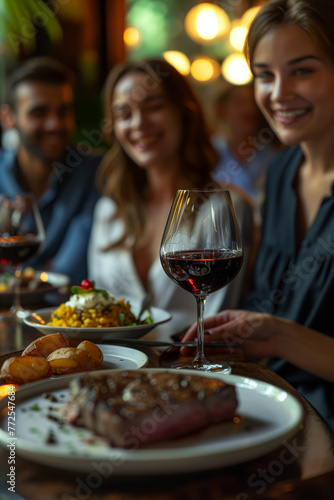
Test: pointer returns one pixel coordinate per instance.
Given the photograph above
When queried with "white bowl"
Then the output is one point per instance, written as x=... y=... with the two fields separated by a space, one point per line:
x=39 y=318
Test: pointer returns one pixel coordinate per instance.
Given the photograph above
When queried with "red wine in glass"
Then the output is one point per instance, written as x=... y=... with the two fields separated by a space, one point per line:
x=201 y=251
x=21 y=237
x=16 y=250
x=202 y=272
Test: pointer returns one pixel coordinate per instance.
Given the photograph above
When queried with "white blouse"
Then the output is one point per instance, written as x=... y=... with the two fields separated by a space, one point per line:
x=115 y=271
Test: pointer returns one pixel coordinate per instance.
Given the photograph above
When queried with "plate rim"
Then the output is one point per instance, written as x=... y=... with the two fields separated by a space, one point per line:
x=134 y=461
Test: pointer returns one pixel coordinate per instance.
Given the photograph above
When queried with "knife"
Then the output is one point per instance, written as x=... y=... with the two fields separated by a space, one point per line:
x=158 y=343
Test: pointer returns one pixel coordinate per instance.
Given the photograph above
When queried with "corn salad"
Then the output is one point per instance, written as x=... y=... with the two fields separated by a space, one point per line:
x=115 y=315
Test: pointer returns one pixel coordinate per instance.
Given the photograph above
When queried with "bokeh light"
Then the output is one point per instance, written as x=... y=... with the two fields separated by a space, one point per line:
x=206 y=23
x=179 y=60
x=44 y=277
x=6 y=388
x=238 y=35
x=204 y=69
x=235 y=69
x=131 y=36
x=150 y=18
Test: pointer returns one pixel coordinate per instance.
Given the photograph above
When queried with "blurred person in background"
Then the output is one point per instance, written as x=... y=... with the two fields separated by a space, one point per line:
x=39 y=106
x=245 y=142
x=160 y=144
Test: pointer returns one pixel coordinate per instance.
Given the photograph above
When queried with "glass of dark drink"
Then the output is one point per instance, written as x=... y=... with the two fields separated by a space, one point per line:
x=21 y=237
x=201 y=251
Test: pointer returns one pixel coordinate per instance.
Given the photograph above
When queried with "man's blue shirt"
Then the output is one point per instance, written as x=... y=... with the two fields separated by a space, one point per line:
x=66 y=209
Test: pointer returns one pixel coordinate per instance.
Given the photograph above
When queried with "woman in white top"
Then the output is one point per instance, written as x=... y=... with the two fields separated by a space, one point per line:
x=159 y=144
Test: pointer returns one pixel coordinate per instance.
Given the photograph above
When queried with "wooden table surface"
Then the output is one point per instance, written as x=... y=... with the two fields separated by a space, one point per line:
x=302 y=467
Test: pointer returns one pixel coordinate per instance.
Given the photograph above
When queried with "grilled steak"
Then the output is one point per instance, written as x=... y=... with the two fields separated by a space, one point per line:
x=136 y=407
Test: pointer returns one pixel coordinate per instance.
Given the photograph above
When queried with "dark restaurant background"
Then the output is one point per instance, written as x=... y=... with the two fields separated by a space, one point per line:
x=92 y=36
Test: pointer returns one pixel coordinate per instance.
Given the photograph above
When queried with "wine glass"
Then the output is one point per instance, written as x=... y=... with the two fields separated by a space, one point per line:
x=201 y=251
x=21 y=236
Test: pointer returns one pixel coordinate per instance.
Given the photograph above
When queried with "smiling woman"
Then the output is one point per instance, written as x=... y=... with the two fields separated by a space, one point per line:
x=299 y=69
x=149 y=126
x=160 y=143
x=290 y=48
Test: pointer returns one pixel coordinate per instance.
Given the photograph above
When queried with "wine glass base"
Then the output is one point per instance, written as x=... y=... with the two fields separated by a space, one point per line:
x=206 y=367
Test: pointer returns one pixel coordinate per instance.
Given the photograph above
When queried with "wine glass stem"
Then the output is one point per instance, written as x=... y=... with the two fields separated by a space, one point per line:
x=16 y=306
x=200 y=329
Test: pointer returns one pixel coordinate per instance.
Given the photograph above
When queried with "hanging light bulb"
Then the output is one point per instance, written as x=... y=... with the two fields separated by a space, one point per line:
x=235 y=69
x=204 y=68
x=131 y=36
x=206 y=23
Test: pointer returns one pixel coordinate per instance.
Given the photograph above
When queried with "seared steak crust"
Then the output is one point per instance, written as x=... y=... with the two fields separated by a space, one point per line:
x=135 y=407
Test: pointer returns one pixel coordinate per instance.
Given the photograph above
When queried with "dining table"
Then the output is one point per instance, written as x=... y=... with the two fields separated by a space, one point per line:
x=299 y=467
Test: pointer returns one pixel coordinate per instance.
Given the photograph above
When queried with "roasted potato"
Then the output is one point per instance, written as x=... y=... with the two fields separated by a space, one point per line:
x=51 y=355
x=43 y=346
x=70 y=360
x=93 y=350
x=23 y=369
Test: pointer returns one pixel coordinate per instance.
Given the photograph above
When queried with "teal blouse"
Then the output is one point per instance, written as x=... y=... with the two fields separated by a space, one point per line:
x=296 y=283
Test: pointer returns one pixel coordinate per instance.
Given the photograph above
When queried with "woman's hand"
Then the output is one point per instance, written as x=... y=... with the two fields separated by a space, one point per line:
x=256 y=333
x=264 y=336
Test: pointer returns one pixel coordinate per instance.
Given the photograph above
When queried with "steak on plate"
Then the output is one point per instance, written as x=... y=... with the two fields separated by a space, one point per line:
x=132 y=408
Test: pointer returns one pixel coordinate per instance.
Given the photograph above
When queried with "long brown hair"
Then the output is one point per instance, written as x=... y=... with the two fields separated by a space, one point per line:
x=121 y=179
x=315 y=17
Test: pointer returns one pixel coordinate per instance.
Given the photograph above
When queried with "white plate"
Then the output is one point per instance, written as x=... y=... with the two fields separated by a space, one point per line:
x=118 y=357
x=269 y=415
x=37 y=318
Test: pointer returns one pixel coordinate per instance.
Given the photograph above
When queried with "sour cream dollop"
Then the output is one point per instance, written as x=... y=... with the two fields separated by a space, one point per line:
x=89 y=300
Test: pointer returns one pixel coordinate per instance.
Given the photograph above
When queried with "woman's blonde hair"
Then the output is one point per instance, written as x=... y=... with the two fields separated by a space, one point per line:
x=121 y=179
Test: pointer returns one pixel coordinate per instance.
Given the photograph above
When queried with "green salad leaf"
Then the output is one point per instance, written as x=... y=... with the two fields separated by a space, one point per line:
x=78 y=290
